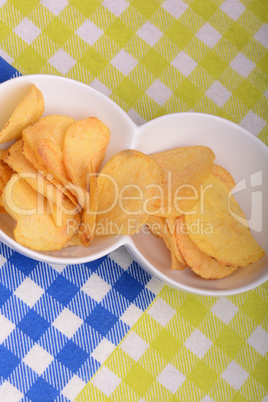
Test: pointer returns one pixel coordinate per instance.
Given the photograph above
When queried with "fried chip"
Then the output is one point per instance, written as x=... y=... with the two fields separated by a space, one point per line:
x=29 y=110
x=18 y=162
x=45 y=138
x=224 y=176
x=163 y=229
x=74 y=241
x=35 y=227
x=5 y=171
x=2 y=154
x=2 y=186
x=218 y=227
x=5 y=174
x=85 y=143
x=200 y=263
x=185 y=169
x=65 y=216
x=86 y=230
x=126 y=187
x=33 y=137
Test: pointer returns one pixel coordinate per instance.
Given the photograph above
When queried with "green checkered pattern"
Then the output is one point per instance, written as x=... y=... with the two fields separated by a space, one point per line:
x=154 y=57
x=200 y=55
x=184 y=348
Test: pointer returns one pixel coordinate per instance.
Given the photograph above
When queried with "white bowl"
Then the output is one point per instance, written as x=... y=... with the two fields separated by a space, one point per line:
x=237 y=150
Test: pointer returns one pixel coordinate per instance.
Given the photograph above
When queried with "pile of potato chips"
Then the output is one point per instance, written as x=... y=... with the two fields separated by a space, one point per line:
x=51 y=186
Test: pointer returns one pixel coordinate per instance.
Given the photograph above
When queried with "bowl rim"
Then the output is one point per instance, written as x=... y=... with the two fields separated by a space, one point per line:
x=127 y=240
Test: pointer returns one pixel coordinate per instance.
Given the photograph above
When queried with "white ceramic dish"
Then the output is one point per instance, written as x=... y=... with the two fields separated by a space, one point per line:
x=235 y=149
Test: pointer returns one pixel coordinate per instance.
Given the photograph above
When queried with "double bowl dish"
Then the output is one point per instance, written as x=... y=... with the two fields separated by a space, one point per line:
x=236 y=149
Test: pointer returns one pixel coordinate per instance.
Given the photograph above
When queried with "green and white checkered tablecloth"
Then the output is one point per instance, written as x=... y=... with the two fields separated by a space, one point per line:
x=154 y=57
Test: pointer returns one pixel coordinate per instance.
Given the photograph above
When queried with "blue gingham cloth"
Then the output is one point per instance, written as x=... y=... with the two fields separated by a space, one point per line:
x=58 y=323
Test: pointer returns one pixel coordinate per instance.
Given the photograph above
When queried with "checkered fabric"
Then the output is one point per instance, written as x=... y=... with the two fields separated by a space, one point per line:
x=189 y=348
x=152 y=57
x=58 y=324
x=66 y=329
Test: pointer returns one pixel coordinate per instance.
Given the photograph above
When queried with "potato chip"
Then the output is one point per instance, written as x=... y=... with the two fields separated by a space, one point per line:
x=2 y=154
x=5 y=172
x=126 y=187
x=35 y=161
x=185 y=169
x=164 y=230
x=175 y=264
x=224 y=176
x=172 y=224
x=29 y=110
x=74 y=241
x=18 y=162
x=200 y=263
x=35 y=227
x=86 y=229
x=46 y=138
x=30 y=156
x=85 y=143
x=65 y=216
x=2 y=186
x=218 y=227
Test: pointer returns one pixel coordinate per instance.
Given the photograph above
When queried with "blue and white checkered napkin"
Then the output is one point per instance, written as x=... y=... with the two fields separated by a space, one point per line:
x=58 y=324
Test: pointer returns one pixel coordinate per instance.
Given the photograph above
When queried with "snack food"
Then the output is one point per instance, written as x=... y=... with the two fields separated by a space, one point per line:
x=58 y=161
x=186 y=168
x=126 y=188
x=5 y=174
x=227 y=239
x=202 y=264
x=45 y=139
x=85 y=141
x=35 y=229
x=29 y=110
x=164 y=229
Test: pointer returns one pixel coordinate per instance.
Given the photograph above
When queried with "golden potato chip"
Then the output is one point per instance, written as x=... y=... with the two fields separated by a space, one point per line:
x=165 y=230
x=172 y=224
x=30 y=156
x=86 y=229
x=218 y=227
x=200 y=263
x=5 y=174
x=46 y=138
x=35 y=162
x=2 y=154
x=5 y=171
x=185 y=169
x=65 y=216
x=176 y=265
x=85 y=143
x=126 y=187
x=224 y=176
x=74 y=241
x=18 y=162
x=29 y=110
x=2 y=186
x=35 y=227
